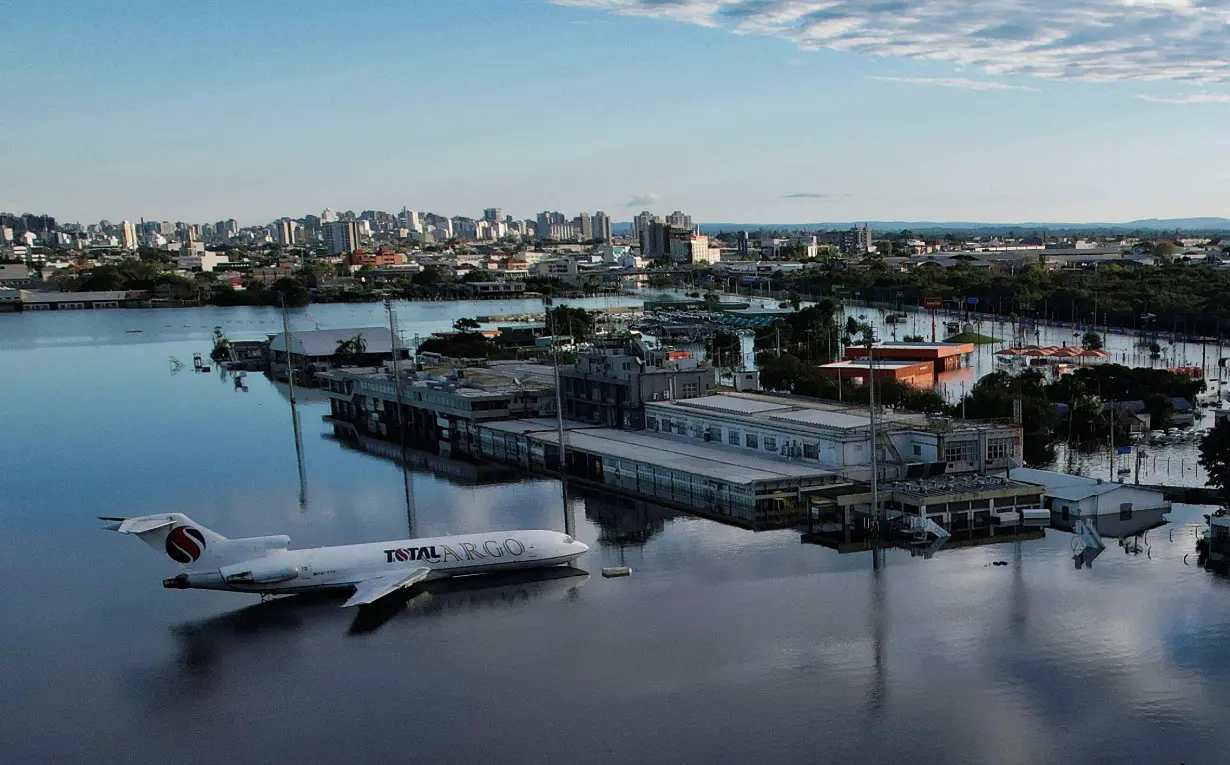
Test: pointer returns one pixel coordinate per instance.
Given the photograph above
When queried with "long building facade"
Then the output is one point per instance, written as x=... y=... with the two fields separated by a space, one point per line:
x=837 y=437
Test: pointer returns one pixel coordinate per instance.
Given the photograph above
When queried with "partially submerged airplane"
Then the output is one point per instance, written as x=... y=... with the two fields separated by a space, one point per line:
x=266 y=565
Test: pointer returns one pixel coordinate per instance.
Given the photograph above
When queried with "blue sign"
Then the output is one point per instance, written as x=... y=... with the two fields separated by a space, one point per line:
x=1124 y=450
x=972 y=301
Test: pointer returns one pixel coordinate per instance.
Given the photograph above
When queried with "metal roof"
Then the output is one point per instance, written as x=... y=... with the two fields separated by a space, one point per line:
x=762 y=406
x=958 y=484
x=717 y=463
x=825 y=419
x=1071 y=487
x=735 y=404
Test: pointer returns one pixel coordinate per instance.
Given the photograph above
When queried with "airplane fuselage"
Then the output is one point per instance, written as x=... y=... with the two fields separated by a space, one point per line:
x=290 y=571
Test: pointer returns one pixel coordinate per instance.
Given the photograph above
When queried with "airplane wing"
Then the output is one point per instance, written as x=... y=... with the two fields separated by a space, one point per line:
x=371 y=590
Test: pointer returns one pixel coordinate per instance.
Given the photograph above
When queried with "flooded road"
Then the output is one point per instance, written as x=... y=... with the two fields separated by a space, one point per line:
x=724 y=645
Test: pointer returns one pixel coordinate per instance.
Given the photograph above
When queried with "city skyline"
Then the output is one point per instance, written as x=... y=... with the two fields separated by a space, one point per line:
x=732 y=111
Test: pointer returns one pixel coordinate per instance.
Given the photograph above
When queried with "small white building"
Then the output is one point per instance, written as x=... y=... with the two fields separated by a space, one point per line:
x=200 y=261
x=1103 y=504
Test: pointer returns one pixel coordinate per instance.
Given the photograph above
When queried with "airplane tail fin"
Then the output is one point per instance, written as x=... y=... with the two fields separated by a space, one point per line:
x=175 y=535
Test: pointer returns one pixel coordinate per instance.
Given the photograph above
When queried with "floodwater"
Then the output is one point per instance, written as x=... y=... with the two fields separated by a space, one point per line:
x=724 y=646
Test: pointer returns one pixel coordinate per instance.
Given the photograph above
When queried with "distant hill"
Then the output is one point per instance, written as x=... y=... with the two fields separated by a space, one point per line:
x=1191 y=225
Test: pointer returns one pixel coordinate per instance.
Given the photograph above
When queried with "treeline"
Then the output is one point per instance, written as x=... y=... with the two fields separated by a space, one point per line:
x=1192 y=299
x=1084 y=393
x=127 y=275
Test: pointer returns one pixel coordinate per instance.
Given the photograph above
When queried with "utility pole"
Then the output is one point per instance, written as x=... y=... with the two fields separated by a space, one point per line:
x=879 y=512
x=294 y=410
x=559 y=421
x=394 y=341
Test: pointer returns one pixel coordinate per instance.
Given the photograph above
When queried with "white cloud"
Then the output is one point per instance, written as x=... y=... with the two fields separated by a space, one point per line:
x=1092 y=40
x=643 y=200
x=1195 y=98
x=954 y=82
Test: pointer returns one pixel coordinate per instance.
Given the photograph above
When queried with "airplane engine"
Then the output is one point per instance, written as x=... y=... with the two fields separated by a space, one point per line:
x=259 y=572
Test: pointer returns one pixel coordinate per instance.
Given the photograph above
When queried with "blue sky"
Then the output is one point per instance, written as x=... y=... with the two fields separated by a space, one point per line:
x=732 y=110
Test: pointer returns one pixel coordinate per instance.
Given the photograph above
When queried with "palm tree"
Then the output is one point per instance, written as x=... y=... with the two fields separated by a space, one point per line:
x=349 y=351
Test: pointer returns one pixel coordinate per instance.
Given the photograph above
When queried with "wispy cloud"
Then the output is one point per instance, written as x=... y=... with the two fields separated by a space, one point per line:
x=954 y=82
x=1194 y=98
x=643 y=200
x=810 y=195
x=1092 y=40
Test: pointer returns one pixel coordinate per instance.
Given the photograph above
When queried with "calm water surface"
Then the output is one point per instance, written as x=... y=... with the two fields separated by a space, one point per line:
x=725 y=645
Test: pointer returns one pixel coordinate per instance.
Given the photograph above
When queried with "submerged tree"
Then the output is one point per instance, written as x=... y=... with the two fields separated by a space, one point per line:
x=350 y=351
x=1215 y=458
x=222 y=347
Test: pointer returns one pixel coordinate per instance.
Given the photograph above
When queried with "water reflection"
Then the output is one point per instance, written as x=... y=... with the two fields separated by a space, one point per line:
x=725 y=638
x=458 y=471
x=210 y=650
x=623 y=521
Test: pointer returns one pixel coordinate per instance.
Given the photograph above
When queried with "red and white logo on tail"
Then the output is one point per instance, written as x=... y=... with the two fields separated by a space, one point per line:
x=185 y=544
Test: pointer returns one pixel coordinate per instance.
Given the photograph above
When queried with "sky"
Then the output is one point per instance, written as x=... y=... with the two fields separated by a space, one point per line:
x=754 y=111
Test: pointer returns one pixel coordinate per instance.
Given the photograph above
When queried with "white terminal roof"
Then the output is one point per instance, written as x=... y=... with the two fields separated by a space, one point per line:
x=837 y=420
x=804 y=411
x=731 y=466
x=735 y=404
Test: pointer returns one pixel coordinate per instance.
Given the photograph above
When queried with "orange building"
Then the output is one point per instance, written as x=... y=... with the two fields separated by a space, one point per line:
x=920 y=374
x=943 y=357
x=378 y=259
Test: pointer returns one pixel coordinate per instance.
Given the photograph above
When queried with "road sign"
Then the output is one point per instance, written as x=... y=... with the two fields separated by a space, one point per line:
x=933 y=303
x=841 y=290
x=972 y=300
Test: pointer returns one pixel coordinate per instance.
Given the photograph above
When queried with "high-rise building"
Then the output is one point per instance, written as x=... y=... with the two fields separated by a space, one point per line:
x=693 y=248
x=128 y=235
x=561 y=232
x=585 y=226
x=493 y=215
x=464 y=228
x=640 y=223
x=655 y=238
x=602 y=226
x=743 y=244
x=327 y=216
x=679 y=220
x=286 y=232
x=411 y=219
x=854 y=241
x=341 y=236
